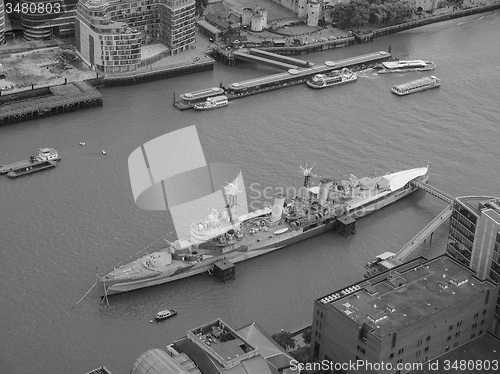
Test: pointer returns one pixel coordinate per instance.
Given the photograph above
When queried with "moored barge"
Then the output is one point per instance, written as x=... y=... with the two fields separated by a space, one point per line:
x=47 y=158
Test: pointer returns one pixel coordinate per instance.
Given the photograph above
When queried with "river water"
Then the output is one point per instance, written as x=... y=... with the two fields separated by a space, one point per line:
x=58 y=226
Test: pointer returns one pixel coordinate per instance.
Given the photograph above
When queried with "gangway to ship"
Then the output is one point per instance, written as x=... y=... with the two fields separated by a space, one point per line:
x=281 y=58
x=263 y=60
x=422 y=235
x=433 y=191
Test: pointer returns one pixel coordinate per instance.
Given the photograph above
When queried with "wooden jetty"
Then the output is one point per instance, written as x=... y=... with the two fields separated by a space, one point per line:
x=48 y=101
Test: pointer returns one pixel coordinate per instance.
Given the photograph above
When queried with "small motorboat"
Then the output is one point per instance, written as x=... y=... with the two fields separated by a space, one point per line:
x=164 y=314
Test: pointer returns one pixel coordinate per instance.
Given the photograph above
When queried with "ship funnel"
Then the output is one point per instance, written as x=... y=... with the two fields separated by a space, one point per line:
x=324 y=189
x=277 y=212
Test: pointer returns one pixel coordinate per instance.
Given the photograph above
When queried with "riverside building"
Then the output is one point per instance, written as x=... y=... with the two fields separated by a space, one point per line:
x=215 y=348
x=109 y=33
x=48 y=19
x=474 y=237
x=402 y=318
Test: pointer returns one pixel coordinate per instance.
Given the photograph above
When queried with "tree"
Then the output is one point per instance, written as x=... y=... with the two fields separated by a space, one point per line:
x=306 y=336
x=285 y=339
x=200 y=6
x=301 y=355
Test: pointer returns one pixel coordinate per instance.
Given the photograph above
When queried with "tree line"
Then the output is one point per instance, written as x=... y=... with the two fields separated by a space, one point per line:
x=359 y=13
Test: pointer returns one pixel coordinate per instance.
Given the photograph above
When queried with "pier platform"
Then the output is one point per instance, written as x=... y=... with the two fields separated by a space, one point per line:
x=48 y=101
x=288 y=78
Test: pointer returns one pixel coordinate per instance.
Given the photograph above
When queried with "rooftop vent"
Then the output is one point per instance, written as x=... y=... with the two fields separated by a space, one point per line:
x=459 y=281
x=391 y=308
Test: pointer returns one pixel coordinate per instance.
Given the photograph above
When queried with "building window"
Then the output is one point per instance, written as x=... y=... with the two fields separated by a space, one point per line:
x=482 y=322
x=457 y=334
x=361 y=349
x=447 y=348
x=448 y=338
x=459 y=323
x=391 y=355
x=484 y=311
x=455 y=345
x=426 y=349
x=450 y=328
x=474 y=325
x=476 y=315
x=473 y=336
x=418 y=354
x=401 y=350
x=419 y=342
x=428 y=338
x=322 y=314
x=480 y=332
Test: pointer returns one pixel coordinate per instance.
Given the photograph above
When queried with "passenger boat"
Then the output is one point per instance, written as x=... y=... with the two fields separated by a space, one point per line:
x=212 y=103
x=401 y=66
x=333 y=78
x=418 y=85
x=47 y=158
x=164 y=314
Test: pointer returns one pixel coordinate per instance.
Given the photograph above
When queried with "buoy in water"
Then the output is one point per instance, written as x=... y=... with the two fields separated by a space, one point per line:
x=103 y=152
x=150 y=321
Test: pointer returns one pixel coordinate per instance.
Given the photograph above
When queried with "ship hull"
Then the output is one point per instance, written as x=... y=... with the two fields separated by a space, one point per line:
x=273 y=243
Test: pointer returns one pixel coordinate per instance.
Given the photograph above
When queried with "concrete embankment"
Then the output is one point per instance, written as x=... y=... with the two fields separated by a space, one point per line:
x=48 y=101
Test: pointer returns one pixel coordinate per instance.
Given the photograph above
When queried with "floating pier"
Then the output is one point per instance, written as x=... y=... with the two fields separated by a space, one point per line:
x=48 y=101
x=280 y=80
x=188 y=99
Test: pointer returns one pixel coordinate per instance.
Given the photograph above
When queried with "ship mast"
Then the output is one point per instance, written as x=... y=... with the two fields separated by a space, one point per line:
x=307 y=175
x=307 y=179
x=231 y=196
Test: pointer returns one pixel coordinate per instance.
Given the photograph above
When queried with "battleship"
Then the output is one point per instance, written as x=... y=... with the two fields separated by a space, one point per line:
x=224 y=234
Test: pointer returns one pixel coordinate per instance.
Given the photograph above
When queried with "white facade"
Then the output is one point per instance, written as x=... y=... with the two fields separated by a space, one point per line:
x=313 y=12
x=259 y=20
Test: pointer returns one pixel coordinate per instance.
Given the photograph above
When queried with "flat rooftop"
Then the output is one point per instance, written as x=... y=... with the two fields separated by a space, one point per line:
x=472 y=202
x=402 y=297
x=222 y=343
